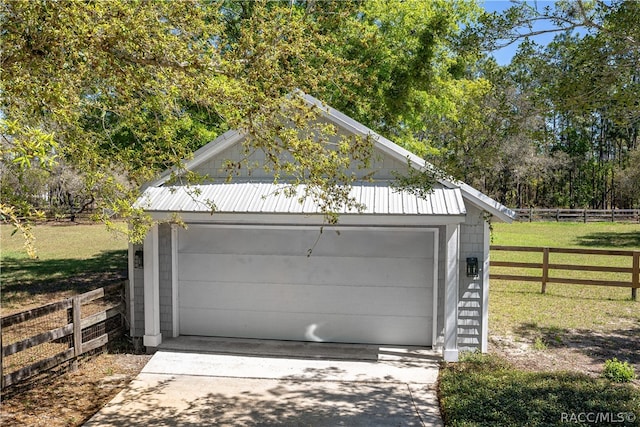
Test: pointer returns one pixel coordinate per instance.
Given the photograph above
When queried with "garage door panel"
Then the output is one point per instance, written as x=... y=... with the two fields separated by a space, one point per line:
x=317 y=270
x=375 y=244
x=290 y=298
x=311 y=327
x=238 y=241
x=379 y=243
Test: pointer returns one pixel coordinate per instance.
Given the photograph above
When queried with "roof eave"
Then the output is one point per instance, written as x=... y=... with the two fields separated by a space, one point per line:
x=486 y=203
x=347 y=219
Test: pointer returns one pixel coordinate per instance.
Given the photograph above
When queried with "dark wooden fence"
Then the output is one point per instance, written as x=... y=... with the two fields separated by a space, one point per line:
x=45 y=337
x=546 y=267
x=578 y=215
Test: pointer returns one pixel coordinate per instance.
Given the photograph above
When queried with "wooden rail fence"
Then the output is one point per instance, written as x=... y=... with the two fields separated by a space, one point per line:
x=578 y=215
x=103 y=322
x=546 y=267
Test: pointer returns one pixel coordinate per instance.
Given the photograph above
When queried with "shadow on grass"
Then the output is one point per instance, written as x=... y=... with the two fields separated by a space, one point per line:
x=23 y=277
x=610 y=239
x=599 y=346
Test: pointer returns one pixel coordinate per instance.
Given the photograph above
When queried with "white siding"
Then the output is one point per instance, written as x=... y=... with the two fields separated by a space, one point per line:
x=470 y=307
x=252 y=165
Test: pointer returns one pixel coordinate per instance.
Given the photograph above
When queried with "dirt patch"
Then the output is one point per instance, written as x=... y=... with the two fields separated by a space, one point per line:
x=571 y=350
x=71 y=398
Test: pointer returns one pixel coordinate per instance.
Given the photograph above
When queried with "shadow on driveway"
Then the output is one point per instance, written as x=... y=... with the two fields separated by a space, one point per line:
x=209 y=389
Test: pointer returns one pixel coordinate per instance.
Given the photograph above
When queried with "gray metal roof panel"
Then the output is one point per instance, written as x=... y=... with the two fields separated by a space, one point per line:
x=250 y=197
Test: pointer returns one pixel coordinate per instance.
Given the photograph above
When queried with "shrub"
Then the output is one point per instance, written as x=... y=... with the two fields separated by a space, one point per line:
x=617 y=371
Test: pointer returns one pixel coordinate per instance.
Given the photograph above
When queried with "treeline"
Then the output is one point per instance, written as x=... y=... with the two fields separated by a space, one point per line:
x=559 y=125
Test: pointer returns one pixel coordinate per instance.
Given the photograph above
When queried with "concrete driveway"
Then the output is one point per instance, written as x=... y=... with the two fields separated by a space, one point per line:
x=201 y=389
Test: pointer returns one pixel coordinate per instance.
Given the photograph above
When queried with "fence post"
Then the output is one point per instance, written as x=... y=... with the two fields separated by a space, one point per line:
x=77 y=332
x=530 y=214
x=584 y=214
x=545 y=269
x=635 y=278
x=1 y=361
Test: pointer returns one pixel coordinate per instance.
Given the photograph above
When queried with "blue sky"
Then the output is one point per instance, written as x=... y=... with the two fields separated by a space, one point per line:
x=504 y=55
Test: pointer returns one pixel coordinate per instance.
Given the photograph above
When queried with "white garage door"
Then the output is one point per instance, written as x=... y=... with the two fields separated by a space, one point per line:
x=357 y=286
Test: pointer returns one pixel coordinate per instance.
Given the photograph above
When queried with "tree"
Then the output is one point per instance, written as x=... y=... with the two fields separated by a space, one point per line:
x=581 y=116
x=135 y=87
x=409 y=65
x=628 y=181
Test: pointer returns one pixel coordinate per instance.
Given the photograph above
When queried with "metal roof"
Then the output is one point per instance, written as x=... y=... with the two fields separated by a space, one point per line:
x=260 y=197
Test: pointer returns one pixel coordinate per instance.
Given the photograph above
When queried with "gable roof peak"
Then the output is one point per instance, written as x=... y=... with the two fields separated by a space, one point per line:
x=388 y=147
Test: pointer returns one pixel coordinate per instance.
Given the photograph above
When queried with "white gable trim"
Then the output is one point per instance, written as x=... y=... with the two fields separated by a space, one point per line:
x=486 y=203
x=383 y=144
x=203 y=154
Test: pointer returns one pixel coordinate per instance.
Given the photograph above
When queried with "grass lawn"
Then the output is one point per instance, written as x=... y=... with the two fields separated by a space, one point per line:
x=615 y=235
x=518 y=307
x=72 y=258
x=485 y=390
x=557 y=341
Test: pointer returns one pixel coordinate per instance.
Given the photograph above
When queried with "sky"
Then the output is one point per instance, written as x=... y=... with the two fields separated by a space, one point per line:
x=504 y=55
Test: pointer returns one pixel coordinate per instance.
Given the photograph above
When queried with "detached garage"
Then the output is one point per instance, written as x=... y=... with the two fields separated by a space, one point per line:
x=264 y=266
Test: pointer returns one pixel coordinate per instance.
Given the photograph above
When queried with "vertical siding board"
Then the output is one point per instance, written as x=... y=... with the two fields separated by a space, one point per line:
x=138 y=298
x=165 y=291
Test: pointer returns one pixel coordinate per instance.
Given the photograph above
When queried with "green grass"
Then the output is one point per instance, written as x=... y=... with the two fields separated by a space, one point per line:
x=520 y=309
x=485 y=390
x=568 y=234
x=71 y=259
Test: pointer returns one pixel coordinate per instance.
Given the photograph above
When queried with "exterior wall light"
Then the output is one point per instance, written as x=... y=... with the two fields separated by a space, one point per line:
x=472 y=267
x=138 y=259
